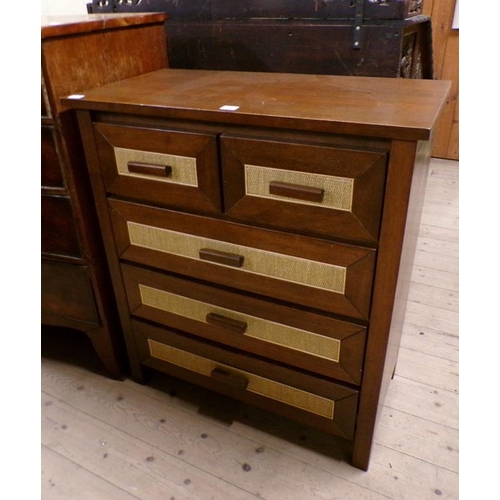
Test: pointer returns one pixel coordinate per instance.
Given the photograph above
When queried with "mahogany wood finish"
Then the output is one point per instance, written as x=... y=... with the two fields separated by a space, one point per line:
x=228 y=259
x=155 y=244
x=78 y=52
x=149 y=169
x=229 y=323
x=295 y=191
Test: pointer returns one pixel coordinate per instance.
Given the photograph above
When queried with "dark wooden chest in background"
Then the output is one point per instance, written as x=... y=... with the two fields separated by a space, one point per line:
x=386 y=38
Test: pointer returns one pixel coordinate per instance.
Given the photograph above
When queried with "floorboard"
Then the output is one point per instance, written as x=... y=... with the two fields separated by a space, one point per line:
x=169 y=440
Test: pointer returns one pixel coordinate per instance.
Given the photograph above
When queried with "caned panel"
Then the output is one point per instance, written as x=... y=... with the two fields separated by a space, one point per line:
x=338 y=191
x=268 y=331
x=284 y=267
x=183 y=167
x=256 y=384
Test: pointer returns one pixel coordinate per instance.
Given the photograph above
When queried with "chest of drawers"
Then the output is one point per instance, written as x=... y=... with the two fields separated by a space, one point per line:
x=259 y=229
x=78 y=52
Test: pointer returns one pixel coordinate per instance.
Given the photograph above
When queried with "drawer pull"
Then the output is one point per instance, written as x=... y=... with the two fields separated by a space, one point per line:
x=228 y=259
x=225 y=322
x=229 y=378
x=149 y=169
x=294 y=191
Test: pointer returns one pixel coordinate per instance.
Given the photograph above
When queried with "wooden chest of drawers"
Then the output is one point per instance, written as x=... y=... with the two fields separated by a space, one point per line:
x=259 y=229
x=78 y=52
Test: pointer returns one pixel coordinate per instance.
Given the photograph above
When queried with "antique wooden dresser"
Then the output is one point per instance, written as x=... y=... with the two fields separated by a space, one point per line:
x=260 y=229
x=389 y=38
x=75 y=283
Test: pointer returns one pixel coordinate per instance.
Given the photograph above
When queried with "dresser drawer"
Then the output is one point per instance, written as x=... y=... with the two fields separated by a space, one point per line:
x=316 y=273
x=305 y=398
x=58 y=228
x=168 y=167
x=51 y=171
x=67 y=293
x=310 y=341
x=310 y=188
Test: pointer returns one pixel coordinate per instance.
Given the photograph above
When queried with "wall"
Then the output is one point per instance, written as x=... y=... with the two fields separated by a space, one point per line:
x=61 y=7
x=445 y=48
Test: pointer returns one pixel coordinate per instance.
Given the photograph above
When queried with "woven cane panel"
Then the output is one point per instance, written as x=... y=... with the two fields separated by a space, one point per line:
x=338 y=191
x=293 y=269
x=258 y=385
x=183 y=167
x=268 y=331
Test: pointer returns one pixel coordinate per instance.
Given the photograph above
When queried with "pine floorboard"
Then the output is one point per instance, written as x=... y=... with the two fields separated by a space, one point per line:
x=169 y=440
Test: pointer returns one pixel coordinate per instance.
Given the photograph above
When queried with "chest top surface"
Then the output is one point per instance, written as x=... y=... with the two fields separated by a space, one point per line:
x=380 y=107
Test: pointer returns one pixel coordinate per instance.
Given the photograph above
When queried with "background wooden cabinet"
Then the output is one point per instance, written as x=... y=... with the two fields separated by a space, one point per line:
x=79 y=52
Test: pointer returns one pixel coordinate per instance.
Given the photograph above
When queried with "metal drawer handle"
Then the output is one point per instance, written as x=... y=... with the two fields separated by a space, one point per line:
x=228 y=323
x=229 y=378
x=294 y=191
x=149 y=169
x=228 y=259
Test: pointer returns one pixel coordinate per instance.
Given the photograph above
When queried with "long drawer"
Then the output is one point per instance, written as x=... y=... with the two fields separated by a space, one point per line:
x=320 y=274
x=160 y=166
x=58 y=228
x=67 y=293
x=305 y=398
x=51 y=169
x=314 y=342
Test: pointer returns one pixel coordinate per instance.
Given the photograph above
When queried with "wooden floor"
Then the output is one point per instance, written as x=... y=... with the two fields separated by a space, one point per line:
x=110 y=440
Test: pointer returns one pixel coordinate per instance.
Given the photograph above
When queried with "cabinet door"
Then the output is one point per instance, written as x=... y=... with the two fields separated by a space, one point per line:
x=309 y=188
x=168 y=167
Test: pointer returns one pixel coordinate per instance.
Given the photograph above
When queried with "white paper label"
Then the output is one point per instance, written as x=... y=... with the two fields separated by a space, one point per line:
x=227 y=107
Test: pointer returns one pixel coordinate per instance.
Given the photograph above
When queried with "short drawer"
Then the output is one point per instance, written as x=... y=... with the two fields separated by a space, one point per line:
x=306 y=340
x=316 y=273
x=310 y=188
x=168 y=167
x=309 y=399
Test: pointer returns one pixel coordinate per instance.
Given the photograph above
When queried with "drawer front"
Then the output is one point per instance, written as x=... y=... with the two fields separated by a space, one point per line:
x=314 y=189
x=67 y=293
x=315 y=273
x=51 y=175
x=310 y=341
x=171 y=168
x=59 y=235
x=309 y=399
